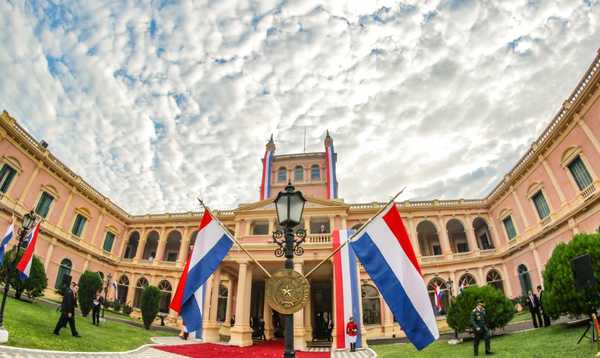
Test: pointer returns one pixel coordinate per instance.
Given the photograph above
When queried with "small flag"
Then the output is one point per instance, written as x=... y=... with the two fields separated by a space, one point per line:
x=24 y=265
x=211 y=247
x=10 y=232
x=438 y=298
x=384 y=249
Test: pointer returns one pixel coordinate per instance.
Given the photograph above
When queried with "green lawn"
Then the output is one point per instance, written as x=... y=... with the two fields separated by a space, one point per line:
x=31 y=324
x=555 y=341
x=521 y=316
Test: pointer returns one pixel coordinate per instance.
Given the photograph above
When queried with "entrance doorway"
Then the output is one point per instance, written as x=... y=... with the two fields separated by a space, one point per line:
x=257 y=301
x=322 y=309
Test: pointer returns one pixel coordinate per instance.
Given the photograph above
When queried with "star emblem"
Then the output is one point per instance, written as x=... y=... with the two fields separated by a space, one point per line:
x=286 y=291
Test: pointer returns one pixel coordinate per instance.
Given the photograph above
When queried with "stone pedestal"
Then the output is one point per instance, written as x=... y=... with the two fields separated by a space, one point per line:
x=241 y=336
x=211 y=332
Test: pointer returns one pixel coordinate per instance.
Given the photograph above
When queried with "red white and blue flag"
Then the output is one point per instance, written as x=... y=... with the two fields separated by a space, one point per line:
x=346 y=288
x=24 y=265
x=384 y=249
x=265 y=184
x=330 y=159
x=212 y=245
x=437 y=296
x=10 y=233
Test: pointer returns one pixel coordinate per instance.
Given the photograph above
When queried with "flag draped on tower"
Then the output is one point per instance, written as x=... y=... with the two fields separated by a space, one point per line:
x=10 y=233
x=24 y=265
x=330 y=161
x=265 y=183
x=384 y=249
x=346 y=288
x=212 y=245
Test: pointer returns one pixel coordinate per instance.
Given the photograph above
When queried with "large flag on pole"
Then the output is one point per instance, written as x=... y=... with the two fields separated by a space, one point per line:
x=10 y=233
x=330 y=163
x=24 y=265
x=211 y=247
x=176 y=302
x=265 y=182
x=384 y=249
x=346 y=289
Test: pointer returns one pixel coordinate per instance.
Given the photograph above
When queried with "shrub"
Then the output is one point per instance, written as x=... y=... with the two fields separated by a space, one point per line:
x=149 y=304
x=37 y=282
x=500 y=310
x=116 y=305
x=560 y=295
x=89 y=283
x=127 y=309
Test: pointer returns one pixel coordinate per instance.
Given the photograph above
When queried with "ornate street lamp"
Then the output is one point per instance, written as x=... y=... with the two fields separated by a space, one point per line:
x=289 y=205
x=27 y=224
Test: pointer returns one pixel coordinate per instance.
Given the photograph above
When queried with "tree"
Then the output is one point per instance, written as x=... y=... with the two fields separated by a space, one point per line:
x=560 y=294
x=500 y=309
x=149 y=305
x=89 y=283
x=33 y=286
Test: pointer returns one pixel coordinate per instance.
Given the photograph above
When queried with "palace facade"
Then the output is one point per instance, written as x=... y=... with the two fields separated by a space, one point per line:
x=503 y=239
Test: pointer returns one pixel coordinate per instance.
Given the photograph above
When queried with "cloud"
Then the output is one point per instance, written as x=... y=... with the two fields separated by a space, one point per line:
x=154 y=105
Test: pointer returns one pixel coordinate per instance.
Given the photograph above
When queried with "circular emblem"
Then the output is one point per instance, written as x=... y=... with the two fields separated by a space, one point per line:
x=287 y=291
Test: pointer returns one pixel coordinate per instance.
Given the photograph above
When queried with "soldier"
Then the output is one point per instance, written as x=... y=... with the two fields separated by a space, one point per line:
x=480 y=328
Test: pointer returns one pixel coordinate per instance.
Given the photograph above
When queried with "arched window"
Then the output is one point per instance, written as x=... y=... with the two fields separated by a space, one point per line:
x=466 y=280
x=482 y=234
x=443 y=289
x=457 y=236
x=151 y=246
x=139 y=288
x=222 y=307
x=494 y=279
x=429 y=242
x=524 y=279
x=132 y=245
x=165 y=296
x=281 y=175
x=172 y=246
x=371 y=305
x=109 y=240
x=315 y=172
x=122 y=288
x=298 y=173
x=64 y=271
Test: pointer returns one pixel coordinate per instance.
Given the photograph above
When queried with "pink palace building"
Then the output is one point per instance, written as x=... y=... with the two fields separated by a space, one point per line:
x=503 y=239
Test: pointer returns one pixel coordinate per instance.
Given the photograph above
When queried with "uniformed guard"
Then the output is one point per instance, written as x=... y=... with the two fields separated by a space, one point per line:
x=480 y=328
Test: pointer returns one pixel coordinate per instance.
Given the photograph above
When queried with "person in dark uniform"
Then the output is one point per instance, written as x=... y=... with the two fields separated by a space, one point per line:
x=544 y=314
x=68 y=311
x=480 y=328
x=534 y=307
x=97 y=304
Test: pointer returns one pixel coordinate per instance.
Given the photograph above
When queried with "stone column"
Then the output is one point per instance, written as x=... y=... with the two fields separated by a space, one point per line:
x=49 y=254
x=160 y=249
x=184 y=245
x=308 y=334
x=495 y=239
x=229 y=302
x=454 y=283
x=211 y=328
x=470 y=231
x=141 y=244
x=64 y=210
x=241 y=333
x=23 y=196
x=506 y=282
x=521 y=211
x=268 y=317
x=98 y=224
x=481 y=281
x=388 y=320
x=443 y=238
x=299 y=341
x=538 y=264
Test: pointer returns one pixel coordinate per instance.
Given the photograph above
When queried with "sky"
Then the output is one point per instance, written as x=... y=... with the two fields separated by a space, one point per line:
x=157 y=102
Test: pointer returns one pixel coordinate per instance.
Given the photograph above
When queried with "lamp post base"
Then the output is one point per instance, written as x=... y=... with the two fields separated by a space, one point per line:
x=3 y=335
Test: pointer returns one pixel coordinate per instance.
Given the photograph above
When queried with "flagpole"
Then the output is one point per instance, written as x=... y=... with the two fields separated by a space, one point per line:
x=353 y=235
x=235 y=240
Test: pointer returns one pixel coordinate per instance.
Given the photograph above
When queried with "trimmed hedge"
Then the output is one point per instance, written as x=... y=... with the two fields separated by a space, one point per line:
x=89 y=283
x=149 y=304
x=500 y=310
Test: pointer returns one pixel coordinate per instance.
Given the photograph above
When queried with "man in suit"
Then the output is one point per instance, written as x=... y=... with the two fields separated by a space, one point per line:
x=544 y=314
x=534 y=307
x=68 y=311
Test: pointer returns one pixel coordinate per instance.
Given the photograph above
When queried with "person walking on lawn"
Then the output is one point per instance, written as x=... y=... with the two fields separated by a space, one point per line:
x=68 y=311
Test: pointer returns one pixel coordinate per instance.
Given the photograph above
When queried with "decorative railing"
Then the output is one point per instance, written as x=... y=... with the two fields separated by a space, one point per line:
x=487 y=251
x=318 y=238
x=589 y=191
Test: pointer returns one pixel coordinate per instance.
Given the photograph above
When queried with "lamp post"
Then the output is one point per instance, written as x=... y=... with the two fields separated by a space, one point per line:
x=289 y=205
x=449 y=284
x=28 y=222
x=108 y=279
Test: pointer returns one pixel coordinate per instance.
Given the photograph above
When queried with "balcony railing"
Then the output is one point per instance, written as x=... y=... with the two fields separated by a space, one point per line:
x=318 y=238
x=589 y=191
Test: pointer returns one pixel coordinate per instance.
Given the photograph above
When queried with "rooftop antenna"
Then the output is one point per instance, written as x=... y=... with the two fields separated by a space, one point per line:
x=304 y=139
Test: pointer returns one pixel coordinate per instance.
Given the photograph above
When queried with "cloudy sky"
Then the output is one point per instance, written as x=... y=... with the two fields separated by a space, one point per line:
x=156 y=102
